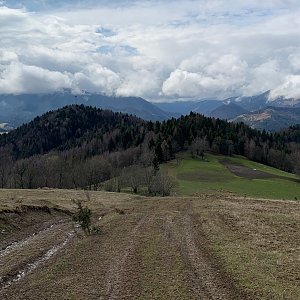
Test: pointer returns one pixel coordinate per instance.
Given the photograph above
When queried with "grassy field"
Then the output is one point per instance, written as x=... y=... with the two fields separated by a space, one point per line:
x=213 y=246
x=196 y=176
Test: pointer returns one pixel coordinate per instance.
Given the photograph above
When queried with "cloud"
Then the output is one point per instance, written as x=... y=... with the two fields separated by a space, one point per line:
x=154 y=49
x=97 y=79
x=19 y=78
x=290 y=88
x=221 y=76
x=263 y=77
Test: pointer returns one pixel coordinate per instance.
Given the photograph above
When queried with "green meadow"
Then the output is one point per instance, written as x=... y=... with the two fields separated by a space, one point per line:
x=194 y=176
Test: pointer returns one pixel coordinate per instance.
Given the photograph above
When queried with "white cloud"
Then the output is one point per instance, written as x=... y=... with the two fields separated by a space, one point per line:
x=263 y=77
x=294 y=60
x=290 y=88
x=6 y=57
x=154 y=49
x=185 y=84
x=98 y=79
x=19 y=78
x=221 y=76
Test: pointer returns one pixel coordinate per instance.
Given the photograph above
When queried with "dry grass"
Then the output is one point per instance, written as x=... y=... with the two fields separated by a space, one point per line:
x=64 y=199
x=208 y=247
x=258 y=243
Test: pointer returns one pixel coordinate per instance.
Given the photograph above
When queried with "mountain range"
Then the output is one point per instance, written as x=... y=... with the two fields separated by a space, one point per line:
x=18 y=109
x=256 y=111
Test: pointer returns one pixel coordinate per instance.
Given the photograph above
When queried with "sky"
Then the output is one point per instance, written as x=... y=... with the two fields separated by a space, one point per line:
x=159 y=50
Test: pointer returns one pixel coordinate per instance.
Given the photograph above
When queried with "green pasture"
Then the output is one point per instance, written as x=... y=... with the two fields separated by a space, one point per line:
x=194 y=176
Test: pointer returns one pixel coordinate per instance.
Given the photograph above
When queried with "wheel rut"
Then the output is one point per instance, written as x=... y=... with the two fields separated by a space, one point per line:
x=116 y=278
x=206 y=281
x=22 y=257
x=204 y=277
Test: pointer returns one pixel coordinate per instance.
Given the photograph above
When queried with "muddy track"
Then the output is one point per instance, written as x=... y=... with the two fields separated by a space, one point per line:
x=206 y=282
x=117 y=273
x=22 y=257
x=204 y=279
x=6 y=249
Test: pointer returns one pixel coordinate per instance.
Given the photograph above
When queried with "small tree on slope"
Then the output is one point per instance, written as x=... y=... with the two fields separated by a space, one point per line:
x=83 y=217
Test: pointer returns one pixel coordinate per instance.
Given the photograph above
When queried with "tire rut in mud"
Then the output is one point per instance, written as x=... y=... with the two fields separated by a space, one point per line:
x=22 y=257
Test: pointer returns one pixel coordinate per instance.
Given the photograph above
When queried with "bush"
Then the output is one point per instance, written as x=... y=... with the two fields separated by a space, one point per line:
x=83 y=217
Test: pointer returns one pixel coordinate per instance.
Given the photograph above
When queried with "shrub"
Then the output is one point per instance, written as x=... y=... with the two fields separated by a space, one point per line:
x=83 y=217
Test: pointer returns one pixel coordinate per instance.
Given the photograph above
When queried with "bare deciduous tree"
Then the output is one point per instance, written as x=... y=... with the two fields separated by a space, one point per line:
x=19 y=173
x=198 y=147
x=162 y=184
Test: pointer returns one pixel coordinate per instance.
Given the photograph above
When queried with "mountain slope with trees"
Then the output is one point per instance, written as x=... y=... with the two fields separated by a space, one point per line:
x=83 y=146
x=259 y=111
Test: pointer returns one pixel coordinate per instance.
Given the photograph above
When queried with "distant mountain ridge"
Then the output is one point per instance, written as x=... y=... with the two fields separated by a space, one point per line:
x=18 y=109
x=228 y=111
x=178 y=108
x=245 y=109
x=261 y=101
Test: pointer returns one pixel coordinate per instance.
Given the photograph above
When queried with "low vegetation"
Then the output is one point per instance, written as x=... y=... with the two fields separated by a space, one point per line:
x=83 y=217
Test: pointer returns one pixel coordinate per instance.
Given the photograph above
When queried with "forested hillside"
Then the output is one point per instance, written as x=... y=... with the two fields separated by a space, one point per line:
x=69 y=127
x=79 y=146
x=291 y=134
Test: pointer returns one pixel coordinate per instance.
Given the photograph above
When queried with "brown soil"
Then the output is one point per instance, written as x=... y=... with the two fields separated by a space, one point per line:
x=245 y=172
x=16 y=224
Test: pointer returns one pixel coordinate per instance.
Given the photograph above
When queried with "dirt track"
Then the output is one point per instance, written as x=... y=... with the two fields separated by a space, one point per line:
x=23 y=257
x=126 y=265
x=158 y=249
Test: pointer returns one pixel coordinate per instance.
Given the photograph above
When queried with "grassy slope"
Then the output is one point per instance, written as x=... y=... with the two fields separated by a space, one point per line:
x=197 y=176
